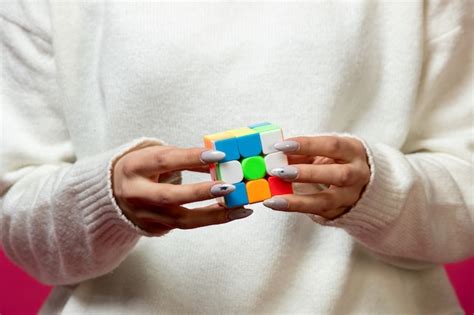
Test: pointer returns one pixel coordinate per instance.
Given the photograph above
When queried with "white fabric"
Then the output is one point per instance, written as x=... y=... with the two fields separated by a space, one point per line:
x=83 y=82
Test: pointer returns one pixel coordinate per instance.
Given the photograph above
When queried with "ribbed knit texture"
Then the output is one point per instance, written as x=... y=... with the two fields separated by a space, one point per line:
x=84 y=82
x=77 y=227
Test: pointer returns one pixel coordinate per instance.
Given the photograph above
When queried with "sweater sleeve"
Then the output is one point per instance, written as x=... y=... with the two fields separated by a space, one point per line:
x=418 y=206
x=58 y=218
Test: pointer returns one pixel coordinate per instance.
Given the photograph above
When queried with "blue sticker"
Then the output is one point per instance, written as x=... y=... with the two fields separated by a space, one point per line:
x=249 y=145
x=229 y=147
x=238 y=197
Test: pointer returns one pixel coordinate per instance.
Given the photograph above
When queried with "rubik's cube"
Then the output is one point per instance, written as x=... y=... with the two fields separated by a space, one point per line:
x=249 y=160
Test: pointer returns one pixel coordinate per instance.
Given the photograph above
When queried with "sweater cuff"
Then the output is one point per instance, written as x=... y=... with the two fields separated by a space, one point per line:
x=379 y=204
x=92 y=179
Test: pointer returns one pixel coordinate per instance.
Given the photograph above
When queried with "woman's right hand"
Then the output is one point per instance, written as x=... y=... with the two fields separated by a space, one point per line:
x=157 y=207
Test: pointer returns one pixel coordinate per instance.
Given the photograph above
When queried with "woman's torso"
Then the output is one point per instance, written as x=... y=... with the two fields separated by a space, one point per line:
x=178 y=71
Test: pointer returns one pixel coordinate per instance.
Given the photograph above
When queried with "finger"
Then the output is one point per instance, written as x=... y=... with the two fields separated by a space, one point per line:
x=200 y=169
x=326 y=203
x=156 y=159
x=330 y=174
x=322 y=160
x=155 y=228
x=184 y=218
x=168 y=194
x=216 y=214
x=306 y=159
x=300 y=159
x=338 y=148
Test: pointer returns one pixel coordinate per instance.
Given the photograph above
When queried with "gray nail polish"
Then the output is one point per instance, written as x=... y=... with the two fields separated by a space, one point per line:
x=219 y=190
x=276 y=203
x=286 y=172
x=287 y=146
x=212 y=156
x=239 y=213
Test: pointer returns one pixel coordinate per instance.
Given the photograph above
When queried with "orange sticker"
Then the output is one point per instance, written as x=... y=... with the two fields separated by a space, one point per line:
x=258 y=190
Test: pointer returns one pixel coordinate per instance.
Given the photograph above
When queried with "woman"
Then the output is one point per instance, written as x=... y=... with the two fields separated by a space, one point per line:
x=105 y=103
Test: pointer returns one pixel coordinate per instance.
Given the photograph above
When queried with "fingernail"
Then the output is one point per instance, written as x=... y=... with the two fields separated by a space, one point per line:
x=276 y=203
x=287 y=146
x=239 y=213
x=212 y=156
x=219 y=190
x=286 y=172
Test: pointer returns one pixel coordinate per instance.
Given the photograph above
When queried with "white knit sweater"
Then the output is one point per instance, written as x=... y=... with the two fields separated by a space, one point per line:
x=81 y=83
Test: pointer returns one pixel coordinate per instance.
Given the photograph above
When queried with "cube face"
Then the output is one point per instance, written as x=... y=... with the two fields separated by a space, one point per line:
x=279 y=186
x=230 y=172
x=253 y=167
x=249 y=145
x=269 y=137
x=274 y=160
x=229 y=147
x=250 y=157
x=258 y=190
x=238 y=197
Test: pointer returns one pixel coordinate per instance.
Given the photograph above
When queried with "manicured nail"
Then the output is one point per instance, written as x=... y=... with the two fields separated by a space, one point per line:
x=219 y=190
x=285 y=172
x=212 y=156
x=287 y=146
x=239 y=213
x=276 y=203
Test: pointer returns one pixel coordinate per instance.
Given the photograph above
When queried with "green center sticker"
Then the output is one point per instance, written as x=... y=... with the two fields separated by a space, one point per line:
x=253 y=167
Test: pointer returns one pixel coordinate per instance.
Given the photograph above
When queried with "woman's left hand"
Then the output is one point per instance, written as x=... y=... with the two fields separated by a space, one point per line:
x=339 y=162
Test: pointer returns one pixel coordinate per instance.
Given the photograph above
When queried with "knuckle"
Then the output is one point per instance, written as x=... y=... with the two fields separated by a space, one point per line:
x=202 y=191
x=182 y=222
x=359 y=147
x=346 y=176
x=299 y=204
x=333 y=145
x=327 y=203
x=125 y=191
x=164 y=197
x=192 y=155
x=118 y=189
x=223 y=217
x=162 y=161
x=313 y=174
x=128 y=168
